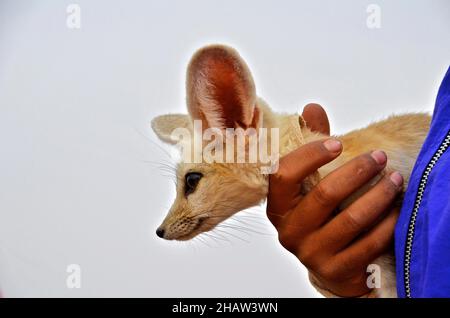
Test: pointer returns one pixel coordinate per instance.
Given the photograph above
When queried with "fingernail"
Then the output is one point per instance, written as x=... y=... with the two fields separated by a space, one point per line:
x=396 y=178
x=333 y=145
x=379 y=156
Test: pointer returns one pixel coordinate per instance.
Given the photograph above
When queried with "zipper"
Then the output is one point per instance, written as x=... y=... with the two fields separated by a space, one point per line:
x=412 y=222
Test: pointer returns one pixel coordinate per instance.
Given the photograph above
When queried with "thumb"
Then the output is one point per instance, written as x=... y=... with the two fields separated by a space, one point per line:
x=316 y=118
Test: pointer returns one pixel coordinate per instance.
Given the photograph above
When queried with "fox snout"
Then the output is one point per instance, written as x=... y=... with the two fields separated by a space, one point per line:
x=181 y=229
x=160 y=232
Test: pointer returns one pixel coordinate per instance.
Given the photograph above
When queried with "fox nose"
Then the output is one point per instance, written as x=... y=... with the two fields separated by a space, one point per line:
x=160 y=232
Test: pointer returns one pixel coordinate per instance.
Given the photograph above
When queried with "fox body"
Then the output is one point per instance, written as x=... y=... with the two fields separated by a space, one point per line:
x=221 y=94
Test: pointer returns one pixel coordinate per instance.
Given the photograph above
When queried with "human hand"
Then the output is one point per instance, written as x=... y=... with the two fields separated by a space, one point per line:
x=336 y=249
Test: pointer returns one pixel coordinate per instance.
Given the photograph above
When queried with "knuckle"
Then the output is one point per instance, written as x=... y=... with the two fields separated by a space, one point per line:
x=346 y=266
x=315 y=151
x=310 y=151
x=374 y=246
x=273 y=218
x=388 y=189
x=323 y=194
x=309 y=254
x=286 y=241
x=277 y=177
x=351 y=221
x=282 y=176
x=363 y=166
x=367 y=163
x=329 y=272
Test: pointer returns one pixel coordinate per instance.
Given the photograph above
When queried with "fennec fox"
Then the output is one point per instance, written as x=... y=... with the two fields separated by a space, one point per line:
x=221 y=94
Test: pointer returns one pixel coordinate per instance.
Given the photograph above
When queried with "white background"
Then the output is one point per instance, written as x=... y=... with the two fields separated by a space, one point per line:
x=76 y=185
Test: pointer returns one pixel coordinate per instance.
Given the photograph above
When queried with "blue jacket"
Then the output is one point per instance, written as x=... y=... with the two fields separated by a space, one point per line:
x=422 y=234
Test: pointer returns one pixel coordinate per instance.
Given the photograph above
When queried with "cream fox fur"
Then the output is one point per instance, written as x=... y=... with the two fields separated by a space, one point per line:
x=221 y=93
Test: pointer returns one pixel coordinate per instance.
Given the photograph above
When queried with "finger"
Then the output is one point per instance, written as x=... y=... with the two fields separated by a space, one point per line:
x=370 y=246
x=316 y=118
x=284 y=185
x=322 y=200
x=363 y=213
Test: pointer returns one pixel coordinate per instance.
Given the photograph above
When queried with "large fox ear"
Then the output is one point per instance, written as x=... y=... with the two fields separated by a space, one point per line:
x=220 y=89
x=164 y=125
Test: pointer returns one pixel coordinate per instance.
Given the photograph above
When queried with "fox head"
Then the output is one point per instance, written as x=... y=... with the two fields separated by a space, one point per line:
x=220 y=94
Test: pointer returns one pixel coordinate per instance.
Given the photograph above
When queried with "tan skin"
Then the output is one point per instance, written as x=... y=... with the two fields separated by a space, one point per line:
x=336 y=249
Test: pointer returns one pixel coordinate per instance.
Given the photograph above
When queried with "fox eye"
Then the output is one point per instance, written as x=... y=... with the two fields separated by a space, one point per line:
x=191 y=181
